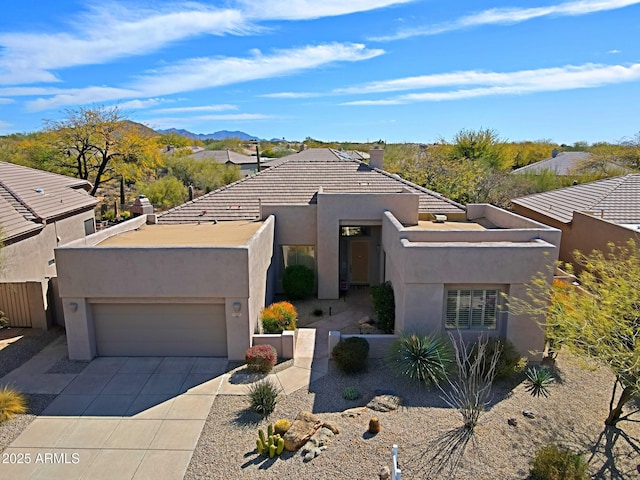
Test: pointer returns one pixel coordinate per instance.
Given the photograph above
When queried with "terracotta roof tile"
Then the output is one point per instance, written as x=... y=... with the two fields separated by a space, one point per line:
x=615 y=199
x=295 y=180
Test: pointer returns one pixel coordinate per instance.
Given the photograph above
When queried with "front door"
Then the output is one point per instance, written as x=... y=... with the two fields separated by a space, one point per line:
x=359 y=261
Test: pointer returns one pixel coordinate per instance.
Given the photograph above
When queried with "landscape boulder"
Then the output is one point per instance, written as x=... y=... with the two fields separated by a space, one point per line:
x=301 y=430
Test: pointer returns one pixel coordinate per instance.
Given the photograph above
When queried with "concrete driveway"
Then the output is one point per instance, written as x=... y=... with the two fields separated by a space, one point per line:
x=120 y=418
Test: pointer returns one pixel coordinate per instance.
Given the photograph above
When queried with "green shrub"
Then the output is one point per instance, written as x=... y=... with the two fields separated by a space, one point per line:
x=261 y=358
x=165 y=192
x=538 y=381
x=384 y=305
x=556 y=463
x=297 y=281
x=425 y=359
x=351 y=354
x=263 y=396
x=278 y=317
x=510 y=361
x=12 y=403
x=109 y=215
x=125 y=215
x=350 y=393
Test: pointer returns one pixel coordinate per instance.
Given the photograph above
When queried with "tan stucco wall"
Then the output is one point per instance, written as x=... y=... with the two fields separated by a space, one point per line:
x=585 y=233
x=88 y=273
x=352 y=209
x=421 y=269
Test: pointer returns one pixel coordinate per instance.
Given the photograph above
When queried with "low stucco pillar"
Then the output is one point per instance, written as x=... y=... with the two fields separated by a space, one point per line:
x=238 y=330
x=81 y=338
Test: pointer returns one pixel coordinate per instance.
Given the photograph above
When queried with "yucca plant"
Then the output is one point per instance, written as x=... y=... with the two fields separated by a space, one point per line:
x=538 y=381
x=263 y=396
x=425 y=359
x=12 y=403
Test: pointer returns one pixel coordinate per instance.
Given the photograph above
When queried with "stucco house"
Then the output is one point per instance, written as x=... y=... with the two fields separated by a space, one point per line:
x=192 y=281
x=589 y=215
x=567 y=164
x=248 y=164
x=38 y=211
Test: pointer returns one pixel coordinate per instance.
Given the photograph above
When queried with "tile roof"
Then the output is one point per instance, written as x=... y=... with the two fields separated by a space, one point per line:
x=565 y=163
x=615 y=199
x=296 y=180
x=30 y=197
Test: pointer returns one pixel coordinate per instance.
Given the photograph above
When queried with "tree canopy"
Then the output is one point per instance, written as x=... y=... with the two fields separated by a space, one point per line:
x=600 y=319
x=98 y=144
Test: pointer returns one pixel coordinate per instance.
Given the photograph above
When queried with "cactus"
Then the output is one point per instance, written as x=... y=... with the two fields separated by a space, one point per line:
x=374 y=425
x=260 y=446
x=270 y=429
x=272 y=451
x=280 y=446
x=262 y=437
x=281 y=426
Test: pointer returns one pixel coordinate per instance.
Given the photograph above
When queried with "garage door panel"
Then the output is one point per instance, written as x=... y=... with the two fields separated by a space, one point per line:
x=160 y=330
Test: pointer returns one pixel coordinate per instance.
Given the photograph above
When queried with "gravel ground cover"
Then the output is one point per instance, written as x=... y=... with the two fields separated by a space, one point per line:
x=431 y=442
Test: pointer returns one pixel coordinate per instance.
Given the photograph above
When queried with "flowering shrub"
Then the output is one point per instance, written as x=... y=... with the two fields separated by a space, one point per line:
x=278 y=317
x=261 y=358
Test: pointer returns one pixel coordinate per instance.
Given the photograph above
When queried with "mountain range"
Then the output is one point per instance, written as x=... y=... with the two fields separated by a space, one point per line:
x=221 y=135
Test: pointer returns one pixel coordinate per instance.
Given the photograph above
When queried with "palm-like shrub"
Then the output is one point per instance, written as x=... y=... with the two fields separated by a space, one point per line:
x=538 y=381
x=351 y=354
x=278 y=317
x=263 y=396
x=297 y=281
x=556 y=463
x=12 y=403
x=425 y=359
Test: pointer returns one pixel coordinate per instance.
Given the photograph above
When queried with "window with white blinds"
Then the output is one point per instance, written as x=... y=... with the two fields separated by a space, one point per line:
x=471 y=309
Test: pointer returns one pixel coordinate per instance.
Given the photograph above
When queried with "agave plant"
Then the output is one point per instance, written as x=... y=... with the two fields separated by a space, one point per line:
x=425 y=359
x=538 y=381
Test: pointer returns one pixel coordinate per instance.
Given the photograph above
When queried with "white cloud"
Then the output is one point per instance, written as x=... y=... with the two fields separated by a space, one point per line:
x=310 y=9
x=6 y=101
x=4 y=127
x=495 y=83
x=204 y=108
x=200 y=73
x=292 y=95
x=182 y=122
x=139 y=104
x=507 y=16
x=614 y=51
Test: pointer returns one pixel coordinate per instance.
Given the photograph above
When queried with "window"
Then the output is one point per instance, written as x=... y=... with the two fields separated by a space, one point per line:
x=299 y=255
x=89 y=227
x=471 y=309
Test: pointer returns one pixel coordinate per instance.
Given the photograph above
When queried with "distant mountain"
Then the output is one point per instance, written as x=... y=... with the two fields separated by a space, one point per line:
x=221 y=135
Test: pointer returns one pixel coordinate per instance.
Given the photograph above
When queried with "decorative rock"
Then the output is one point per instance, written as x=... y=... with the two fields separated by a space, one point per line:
x=302 y=428
x=528 y=414
x=384 y=403
x=354 y=412
x=385 y=473
x=513 y=422
x=331 y=427
x=365 y=321
x=317 y=444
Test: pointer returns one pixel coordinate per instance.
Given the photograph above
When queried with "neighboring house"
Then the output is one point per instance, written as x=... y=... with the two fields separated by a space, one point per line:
x=589 y=215
x=38 y=211
x=567 y=164
x=248 y=164
x=193 y=280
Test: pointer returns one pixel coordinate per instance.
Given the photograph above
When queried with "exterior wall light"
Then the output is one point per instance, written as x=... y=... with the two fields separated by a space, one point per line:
x=73 y=306
x=237 y=306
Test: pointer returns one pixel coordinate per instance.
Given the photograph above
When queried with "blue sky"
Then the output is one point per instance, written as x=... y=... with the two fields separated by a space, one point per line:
x=335 y=70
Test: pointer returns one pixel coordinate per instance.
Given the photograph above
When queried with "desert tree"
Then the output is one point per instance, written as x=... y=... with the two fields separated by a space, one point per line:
x=598 y=319
x=99 y=144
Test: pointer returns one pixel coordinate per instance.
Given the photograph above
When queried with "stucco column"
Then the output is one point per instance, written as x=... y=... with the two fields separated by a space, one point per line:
x=81 y=338
x=525 y=331
x=238 y=334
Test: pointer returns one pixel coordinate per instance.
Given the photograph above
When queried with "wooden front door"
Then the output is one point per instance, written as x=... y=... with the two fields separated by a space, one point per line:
x=359 y=261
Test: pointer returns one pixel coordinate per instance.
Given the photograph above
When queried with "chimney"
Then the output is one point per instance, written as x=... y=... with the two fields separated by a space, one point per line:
x=554 y=153
x=376 y=157
x=141 y=206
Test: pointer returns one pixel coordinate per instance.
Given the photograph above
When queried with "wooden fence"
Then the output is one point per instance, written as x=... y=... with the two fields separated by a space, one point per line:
x=23 y=304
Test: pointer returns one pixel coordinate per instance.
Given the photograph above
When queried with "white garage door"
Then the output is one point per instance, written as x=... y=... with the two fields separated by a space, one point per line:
x=132 y=329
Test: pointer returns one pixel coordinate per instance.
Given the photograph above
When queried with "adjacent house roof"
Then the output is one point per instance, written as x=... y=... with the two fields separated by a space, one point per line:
x=570 y=163
x=223 y=156
x=29 y=197
x=614 y=199
x=295 y=180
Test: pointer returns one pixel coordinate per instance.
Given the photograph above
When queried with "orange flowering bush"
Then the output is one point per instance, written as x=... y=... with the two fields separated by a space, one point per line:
x=278 y=317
